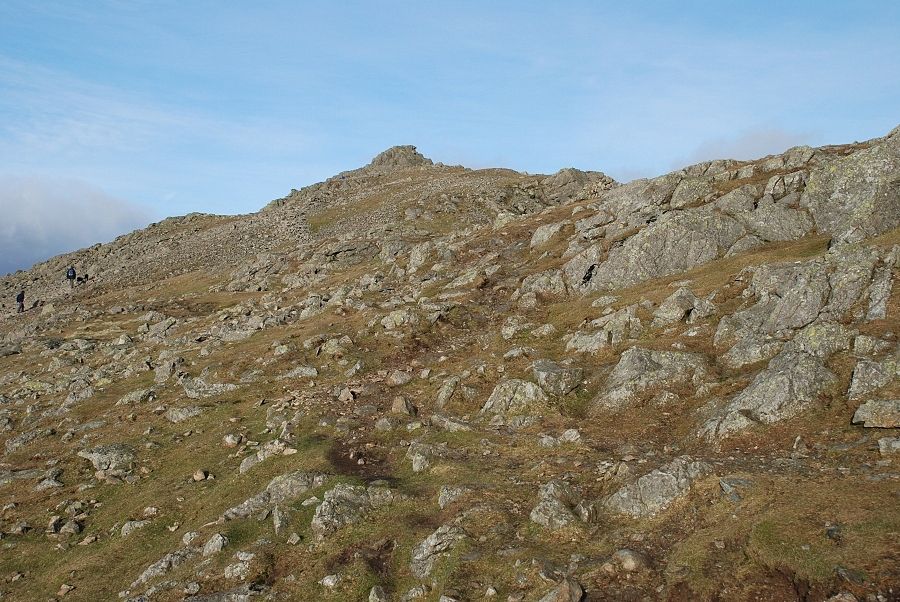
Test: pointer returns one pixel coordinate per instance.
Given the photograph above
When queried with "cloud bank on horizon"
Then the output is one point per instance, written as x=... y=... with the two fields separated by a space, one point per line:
x=213 y=107
x=44 y=216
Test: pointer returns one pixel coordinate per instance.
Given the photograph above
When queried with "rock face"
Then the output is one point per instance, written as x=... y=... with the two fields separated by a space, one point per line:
x=857 y=196
x=641 y=371
x=656 y=491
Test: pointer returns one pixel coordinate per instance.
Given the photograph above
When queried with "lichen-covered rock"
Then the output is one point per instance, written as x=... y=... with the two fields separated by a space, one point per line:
x=751 y=349
x=640 y=371
x=176 y=415
x=871 y=375
x=878 y=413
x=432 y=548
x=675 y=243
x=659 y=489
x=514 y=397
x=115 y=456
x=613 y=329
x=554 y=508
x=545 y=232
x=556 y=379
x=857 y=196
x=682 y=305
x=346 y=504
x=789 y=385
x=567 y=591
x=280 y=490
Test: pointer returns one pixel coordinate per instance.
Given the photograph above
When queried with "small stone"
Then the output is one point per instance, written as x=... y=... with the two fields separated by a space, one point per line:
x=200 y=475
x=330 y=581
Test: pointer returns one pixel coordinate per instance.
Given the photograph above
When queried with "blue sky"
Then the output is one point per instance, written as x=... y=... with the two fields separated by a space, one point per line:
x=138 y=110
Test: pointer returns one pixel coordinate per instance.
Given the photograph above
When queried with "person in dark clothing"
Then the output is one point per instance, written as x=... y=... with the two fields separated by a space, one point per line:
x=20 y=302
x=70 y=276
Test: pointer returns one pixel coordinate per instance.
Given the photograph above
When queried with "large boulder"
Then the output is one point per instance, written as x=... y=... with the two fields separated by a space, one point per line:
x=514 y=397
x=682 y=305
x=555 y=378
x=554 y=508
x=656 y=491
x=789 y=385
x=115 y=456
x=346 y=504
x=641 y=371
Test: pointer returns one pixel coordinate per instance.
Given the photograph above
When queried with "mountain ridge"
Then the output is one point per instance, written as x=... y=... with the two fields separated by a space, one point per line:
x=419 y=381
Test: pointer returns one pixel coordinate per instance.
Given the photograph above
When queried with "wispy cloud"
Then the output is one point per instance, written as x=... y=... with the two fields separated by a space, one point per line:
x=749 y=144
x=44 y=216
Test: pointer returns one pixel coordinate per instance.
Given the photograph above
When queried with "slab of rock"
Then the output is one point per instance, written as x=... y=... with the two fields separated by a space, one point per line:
x=656 y=491
x=878 y=413
x=871 y=375
x=556 y=379
x=514 y=397
x=438 y=544
x=133 y=525
x=214 y=544
x=167 y=563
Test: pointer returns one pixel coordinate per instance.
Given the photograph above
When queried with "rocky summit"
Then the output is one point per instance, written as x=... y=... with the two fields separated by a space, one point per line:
x=416 y=381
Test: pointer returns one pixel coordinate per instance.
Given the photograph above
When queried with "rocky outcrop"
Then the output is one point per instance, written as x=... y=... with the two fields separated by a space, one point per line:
x=428 y=552
x=791 y=383
x=641 y=372
x=514 y=397
x=347 y=504
x=658 y=490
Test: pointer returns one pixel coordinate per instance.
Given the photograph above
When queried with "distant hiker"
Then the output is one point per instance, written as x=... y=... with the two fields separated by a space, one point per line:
x=70 y=276
x=20 y=302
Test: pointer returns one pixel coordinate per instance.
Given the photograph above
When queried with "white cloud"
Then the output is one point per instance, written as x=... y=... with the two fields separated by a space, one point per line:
x=44 y=216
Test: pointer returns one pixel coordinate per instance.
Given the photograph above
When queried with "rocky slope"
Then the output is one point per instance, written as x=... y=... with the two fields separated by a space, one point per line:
x=414 y=381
